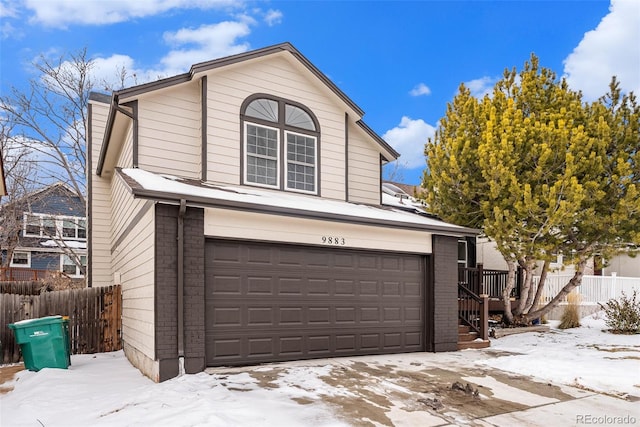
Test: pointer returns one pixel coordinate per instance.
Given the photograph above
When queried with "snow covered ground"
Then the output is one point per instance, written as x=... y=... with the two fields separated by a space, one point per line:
x=104 y=389
x=585 y=357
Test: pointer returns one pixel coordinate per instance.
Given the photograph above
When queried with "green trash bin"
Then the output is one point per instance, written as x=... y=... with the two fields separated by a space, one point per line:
x=44 y=342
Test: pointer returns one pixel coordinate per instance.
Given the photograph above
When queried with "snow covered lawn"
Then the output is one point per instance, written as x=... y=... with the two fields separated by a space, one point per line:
x=519 y=378
x=586 y=357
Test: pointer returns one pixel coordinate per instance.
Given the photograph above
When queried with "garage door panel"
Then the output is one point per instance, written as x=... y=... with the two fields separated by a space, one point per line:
x=279 y=302
x=318 y=287
x=226 y=284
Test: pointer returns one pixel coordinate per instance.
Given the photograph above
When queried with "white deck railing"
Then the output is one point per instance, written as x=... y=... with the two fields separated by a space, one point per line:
x=594 y=289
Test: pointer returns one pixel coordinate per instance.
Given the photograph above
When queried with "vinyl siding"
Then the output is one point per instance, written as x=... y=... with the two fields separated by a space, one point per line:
x=229 y=87
x=276 y=228
x=364 y=168
x=169 y=139
x=125 y=159
x=133 y=262
x=100 y=262
x=623 y=265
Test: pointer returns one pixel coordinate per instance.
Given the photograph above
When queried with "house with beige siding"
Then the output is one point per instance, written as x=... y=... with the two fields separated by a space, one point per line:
x=239 y=206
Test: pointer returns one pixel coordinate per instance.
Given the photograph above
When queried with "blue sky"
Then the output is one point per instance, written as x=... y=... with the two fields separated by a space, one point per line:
x=400 y=61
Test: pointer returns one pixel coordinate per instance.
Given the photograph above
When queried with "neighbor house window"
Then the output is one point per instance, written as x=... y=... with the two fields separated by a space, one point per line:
x=280 y=145
x=462 y=253
x=49 y=226
x=21 y=259
x=70 y=268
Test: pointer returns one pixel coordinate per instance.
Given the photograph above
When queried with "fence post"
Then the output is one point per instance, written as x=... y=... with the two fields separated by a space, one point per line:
x=484 y=317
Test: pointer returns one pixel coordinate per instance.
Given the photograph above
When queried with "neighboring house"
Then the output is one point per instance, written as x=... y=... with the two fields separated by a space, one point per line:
x=621 y=265
x=239 y=206
x=44 y=232
x=401 y=196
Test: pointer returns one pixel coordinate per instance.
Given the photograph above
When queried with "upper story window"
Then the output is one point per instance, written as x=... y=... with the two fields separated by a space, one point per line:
x=280 y=144
x=50 y=226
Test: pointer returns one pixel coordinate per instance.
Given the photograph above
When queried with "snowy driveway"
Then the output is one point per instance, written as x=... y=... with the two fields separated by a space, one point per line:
x=558 y=378
x=422 y=389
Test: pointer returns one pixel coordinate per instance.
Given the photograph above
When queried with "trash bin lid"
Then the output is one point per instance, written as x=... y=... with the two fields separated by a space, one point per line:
x=39 y=320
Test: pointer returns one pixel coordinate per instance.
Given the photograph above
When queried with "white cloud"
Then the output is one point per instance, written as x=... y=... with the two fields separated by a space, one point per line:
x=273 y=17
x=409 y=138
x=60 y=13
x=190 y=46
x=8 y=10
x=611 y=49
x=481 y=87
x=420 y=89
x=208 y=42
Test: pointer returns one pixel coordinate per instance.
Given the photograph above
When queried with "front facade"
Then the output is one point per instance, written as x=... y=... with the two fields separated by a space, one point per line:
x=43 y=233
x=239 y=205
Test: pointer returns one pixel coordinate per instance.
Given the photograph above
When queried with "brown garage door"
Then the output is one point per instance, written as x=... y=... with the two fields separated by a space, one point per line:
x=272 y=302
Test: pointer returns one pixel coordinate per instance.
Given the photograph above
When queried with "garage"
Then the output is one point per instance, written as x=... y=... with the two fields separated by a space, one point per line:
x=269 y=302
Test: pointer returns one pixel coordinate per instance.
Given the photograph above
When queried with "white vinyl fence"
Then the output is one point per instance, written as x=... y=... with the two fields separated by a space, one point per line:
x=594 y=289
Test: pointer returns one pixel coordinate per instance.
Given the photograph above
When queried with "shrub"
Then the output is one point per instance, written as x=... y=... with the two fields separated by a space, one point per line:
x=623 y=314
x=571 y=314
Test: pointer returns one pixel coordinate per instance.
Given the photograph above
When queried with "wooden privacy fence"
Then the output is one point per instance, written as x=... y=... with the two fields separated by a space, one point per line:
x=95 y=316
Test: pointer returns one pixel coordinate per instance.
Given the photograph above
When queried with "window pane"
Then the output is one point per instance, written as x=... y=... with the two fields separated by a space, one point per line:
x=262 y=171
x=462 y=251
x=20 y=258
x=301 y=177
x=301 y=157
x=82 y=229
x=265 y=109
x=49 y=227
x=295 y=116
x=262 y=155
x=33 y=225
x=68 y=266
x=263 y=141
x=68 y=228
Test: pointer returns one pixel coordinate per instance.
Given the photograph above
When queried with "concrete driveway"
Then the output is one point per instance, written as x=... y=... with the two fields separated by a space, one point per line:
x=427 y=389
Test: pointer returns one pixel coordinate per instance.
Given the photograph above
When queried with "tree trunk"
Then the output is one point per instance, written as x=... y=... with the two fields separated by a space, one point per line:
x=527 y=266
x=507 y=318
x=575 y=281
x=540 y=289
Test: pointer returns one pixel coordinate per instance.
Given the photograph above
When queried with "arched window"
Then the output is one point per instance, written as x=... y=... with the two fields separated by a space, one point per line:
x=280 y=144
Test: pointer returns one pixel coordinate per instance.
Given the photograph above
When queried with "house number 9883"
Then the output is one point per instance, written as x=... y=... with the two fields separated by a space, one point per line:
x=334 y=240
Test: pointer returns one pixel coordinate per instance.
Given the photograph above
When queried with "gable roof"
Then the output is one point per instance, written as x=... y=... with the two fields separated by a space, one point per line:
x=44 y=191
x=203 y=67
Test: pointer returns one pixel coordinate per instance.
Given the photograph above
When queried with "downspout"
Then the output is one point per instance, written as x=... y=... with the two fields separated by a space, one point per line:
x=181 y=213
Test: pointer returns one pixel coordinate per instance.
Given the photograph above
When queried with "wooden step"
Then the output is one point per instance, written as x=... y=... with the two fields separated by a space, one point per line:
x=473 y=344
x=463 y=329
x=467 y=336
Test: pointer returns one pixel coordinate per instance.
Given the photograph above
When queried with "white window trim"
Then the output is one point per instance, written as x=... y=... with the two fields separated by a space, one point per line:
x=78 y=273
x=59 y=223
x=246 y=156
x=28 y=265
x=315 y=163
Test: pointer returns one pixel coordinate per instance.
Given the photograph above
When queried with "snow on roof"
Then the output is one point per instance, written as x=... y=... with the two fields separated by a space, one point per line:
x=72 y=244
x=405 y=202
x=175 y=188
